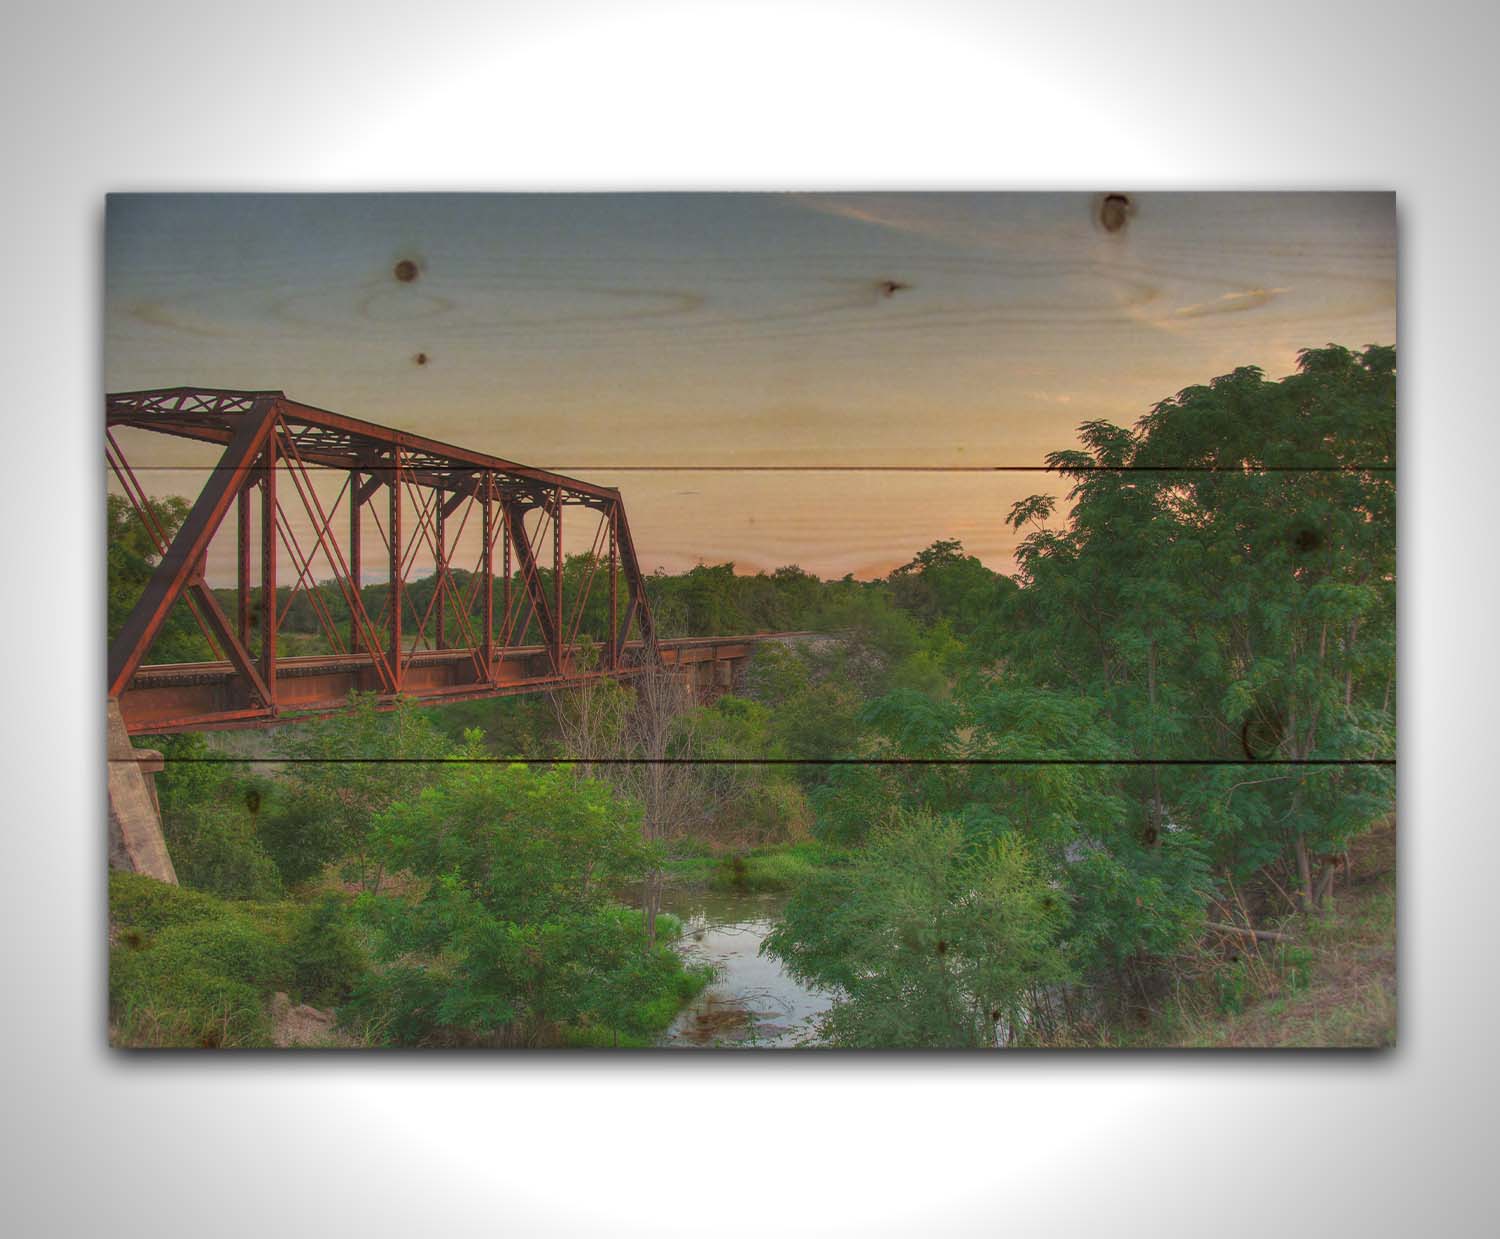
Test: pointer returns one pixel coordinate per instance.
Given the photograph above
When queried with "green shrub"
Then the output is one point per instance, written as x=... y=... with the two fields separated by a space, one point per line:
x=397 y=1005
x=598 y=1037
x=327 y=959
x=299 y=835
x=513 y=937
x=229 y=946
x=326 y=805
x=668 y=927
x=931 y=940
x=214 y=846
x=772 y=869
x=1296 y=965
x=187 y=969
x=852 y=801
x=192 y=1009
x=147 y=906
x=656 y=1012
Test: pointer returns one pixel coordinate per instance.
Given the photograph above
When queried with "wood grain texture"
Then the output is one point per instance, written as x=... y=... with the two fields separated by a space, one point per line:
x=651 y=330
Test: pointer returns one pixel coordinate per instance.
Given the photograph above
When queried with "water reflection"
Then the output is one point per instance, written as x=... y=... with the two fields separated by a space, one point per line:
x=752 y=1002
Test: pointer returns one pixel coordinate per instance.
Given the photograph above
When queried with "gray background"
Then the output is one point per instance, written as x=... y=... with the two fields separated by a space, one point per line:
x=756 y=95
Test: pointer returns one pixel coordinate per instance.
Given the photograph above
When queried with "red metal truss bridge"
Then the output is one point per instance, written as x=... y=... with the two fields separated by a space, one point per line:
x=470 y=637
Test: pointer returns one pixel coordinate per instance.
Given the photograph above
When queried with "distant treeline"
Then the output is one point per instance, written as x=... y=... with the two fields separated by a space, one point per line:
x=941 y=583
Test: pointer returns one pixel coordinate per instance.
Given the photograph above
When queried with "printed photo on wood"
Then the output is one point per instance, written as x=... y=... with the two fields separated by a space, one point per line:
x=924 y=621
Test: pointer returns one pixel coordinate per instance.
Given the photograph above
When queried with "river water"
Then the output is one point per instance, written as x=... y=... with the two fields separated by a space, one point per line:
x=752 y=1002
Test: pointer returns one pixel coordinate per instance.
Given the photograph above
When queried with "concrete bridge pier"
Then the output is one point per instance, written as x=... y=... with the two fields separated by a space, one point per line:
x=136 y=843
x=712 y=678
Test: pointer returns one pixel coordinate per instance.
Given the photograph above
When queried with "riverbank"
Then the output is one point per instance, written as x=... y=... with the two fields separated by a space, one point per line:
x=1333 y=985
x=751 y=1002
x=188 y=969
x=773 y=867
x=728 y=902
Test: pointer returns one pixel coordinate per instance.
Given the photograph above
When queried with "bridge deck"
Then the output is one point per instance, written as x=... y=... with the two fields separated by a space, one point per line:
x=203 y=696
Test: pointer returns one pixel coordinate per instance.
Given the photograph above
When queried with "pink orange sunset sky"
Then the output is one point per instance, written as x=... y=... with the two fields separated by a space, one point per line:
x=911 y=342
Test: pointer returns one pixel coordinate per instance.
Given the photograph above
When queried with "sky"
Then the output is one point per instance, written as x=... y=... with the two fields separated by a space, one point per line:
x=689 y=348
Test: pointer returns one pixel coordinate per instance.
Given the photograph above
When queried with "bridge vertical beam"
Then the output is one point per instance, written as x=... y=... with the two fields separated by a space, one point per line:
x=531 y=580
x=440 y=571
x=268 y=617
x=487 y=567
x=397 y=601
x=356 y=555
x=242 y=561
x=612 y=656
x=505 y=564
x=557 y=579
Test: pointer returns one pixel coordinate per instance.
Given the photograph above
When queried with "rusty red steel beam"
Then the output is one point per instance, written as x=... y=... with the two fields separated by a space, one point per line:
x=242 y=565
x=487 y=533
x=345 y=577
x=558 y=619
x=397 y=583
x=444 y=581
x=268 y=506
x=245 y=719
x=195 y=696
x=264 y=433
x=638 y=609
x=206 y=415
x=305 y=583
x=177 y=566
x=200 y=599
x=464 y=601
x=576 y=625
x=141 y=505
x=612 y=652
x=541 y=610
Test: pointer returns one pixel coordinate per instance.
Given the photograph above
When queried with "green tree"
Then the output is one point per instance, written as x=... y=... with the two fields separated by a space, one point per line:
x=344 y=771
x=514 y=934
x=746 y=803
x=212 y=813
x=1222 y=586
x=943 y=583
x=1225 y=586
x=931 y=939
x=130 y=558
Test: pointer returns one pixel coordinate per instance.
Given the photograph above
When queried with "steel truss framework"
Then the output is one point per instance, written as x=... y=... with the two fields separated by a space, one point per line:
x=425 y=488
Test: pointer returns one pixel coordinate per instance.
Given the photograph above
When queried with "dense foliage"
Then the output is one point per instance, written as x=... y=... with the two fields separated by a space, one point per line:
x=1044 y=787
x=437 y=901
x=1223 y=587
x=188 y=969
x=931 y=941
x=516 y=932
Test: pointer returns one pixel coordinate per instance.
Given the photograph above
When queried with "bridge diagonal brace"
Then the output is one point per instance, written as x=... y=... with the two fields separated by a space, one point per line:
x=531 y=579
x=624 y=631
x=365 y=490
x=638 y=608
x=229 y=641
x=457 y=500
x=178 y=567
